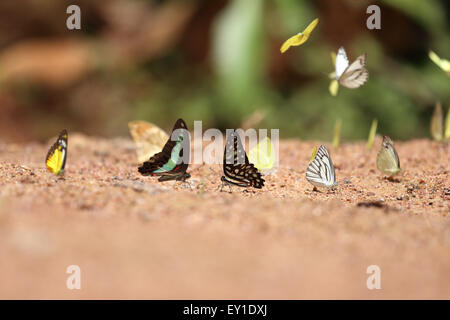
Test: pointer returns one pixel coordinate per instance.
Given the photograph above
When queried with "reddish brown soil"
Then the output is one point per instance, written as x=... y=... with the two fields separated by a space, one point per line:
x=136 y=238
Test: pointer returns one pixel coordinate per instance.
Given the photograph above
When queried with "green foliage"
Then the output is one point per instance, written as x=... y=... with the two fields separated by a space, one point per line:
x=397 y=92
x=224 y=63
x=238 y=47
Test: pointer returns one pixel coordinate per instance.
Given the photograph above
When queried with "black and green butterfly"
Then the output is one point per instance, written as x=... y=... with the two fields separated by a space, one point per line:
x=172 y=162
x=236 y=167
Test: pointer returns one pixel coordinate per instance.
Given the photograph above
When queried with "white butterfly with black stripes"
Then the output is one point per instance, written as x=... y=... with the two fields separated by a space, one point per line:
x=320 y=172
x=351 y=75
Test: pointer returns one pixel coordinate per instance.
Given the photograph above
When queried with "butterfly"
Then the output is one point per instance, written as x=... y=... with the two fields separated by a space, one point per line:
x=320 y=171
x=387 y=158
x=263 y=155
x=236 y=167
x=56 y=156
x=172 y=162
x=300 y=37
x=441 y=63
x=437 y=123
x=149 y=139
x=348 y=75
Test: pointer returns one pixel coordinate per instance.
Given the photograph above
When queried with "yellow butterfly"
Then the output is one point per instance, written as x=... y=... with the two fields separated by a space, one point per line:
x=56 y=156
x=442 y=63
x=387 y=158
x=299 y=38
x=263 y=155
x=149 y=139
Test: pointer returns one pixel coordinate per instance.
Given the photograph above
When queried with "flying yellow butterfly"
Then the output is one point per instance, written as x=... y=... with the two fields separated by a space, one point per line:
x=149 y=139
x=300 y=37
x=56 y=156
x=442 y=63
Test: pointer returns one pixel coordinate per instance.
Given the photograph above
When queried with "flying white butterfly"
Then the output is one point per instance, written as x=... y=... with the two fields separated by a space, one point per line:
x=351 y=76
x=320 y=171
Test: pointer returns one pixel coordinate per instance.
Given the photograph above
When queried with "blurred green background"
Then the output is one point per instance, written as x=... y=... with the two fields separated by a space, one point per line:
x=218 y=61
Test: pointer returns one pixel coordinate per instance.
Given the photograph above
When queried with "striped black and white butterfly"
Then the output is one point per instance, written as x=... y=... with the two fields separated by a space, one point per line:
x=351 y=75
x=320 y=172
x=236 y=167
x=172 y=162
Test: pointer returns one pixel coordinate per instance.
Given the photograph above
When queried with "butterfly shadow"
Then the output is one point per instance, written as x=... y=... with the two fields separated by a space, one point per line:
x=220 y=187
x=230 y=187
x=60 y=178
x=180 y=178
x=391 y=179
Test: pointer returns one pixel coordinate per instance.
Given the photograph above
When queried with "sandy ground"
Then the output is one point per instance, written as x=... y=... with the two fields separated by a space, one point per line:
x=136 y=238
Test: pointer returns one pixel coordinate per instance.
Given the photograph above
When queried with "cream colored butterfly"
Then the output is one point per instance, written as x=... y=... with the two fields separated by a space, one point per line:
x=349 y=75
x=300 y=37
x=149 y=139
x=387 y=158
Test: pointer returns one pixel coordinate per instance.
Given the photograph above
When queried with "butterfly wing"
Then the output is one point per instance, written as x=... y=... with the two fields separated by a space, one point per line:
x=262 y=155
x=311 y=27
x=320 y=172
x=148 y=138
x=295 y=40
x=388 y=161
x=333 y=87
x=341 y=62
x=170 y=160
x=236 y=166
x=56 y=156
x=356 y=74
x=299 y=38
